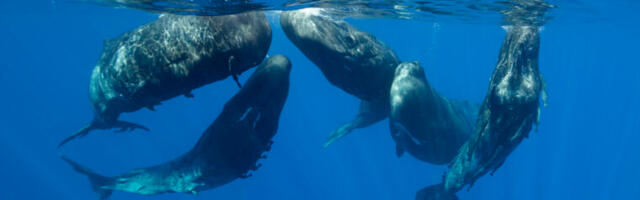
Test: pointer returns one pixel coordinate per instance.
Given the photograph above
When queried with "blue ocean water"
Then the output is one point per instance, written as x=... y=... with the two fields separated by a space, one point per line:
x=585 y=146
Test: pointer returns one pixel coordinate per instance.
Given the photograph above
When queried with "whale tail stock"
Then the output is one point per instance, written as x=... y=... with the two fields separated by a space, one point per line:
x=95 y=124
x=97 y=181
x=435 y=192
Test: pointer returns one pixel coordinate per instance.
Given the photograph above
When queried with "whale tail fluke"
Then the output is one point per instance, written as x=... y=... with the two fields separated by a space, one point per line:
x=122 y=125
x=97 y=181
x=435 y=192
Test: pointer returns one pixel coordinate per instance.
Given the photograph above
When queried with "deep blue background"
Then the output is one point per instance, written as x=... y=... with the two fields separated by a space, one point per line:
x=586 y=146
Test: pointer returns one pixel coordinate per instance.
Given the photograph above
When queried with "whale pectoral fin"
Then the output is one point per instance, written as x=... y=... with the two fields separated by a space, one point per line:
x=339 y=133
x=366 y=116
x=235 y=78
x=234 y=75
x=123 y=125
x=79 y=134
x=396 y=129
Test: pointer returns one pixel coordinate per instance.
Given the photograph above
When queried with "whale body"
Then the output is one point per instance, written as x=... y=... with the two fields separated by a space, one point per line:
x=429 y=126
x=350 y=59
x=170 y=57
x=229 y=148
x=510 y=109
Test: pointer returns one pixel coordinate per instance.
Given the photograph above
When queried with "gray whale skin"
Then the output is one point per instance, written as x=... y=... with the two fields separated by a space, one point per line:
x=228 y=149
x=170 y=57
x=506 y=117
x=428 y=125
x=351 y=60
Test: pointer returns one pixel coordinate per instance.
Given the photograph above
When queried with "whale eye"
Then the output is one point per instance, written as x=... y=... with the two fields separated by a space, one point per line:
x=349 y=40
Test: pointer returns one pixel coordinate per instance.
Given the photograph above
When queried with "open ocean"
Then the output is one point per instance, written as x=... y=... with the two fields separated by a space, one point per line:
x=586 y=146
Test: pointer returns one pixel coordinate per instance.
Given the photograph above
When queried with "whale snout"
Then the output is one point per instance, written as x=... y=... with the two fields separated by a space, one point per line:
x=278 y=62
x=411 y=69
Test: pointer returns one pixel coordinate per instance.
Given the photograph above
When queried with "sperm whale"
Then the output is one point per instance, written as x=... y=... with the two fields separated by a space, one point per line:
x=430 y=126
x=509 y=110
x=229 y=149
x=169 y=57
x=350 y=59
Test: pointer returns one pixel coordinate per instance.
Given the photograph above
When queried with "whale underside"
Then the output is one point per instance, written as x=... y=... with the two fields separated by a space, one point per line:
x=229 y=148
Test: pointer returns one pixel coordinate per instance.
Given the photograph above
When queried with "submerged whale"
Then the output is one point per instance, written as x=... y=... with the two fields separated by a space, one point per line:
x=170 y=57
x=506 y=117
x=350 y=59
x=227 y=150
x=428 y=125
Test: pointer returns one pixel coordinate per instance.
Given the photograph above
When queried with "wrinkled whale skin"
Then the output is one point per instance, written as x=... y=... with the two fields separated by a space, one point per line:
x=229 y=148
x=170 y=57
x=173 y=55
x=507 y=115
x=424 y=123
x=350 y=59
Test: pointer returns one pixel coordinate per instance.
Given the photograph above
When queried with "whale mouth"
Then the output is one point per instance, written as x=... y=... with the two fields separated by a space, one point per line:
x=403 y=130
